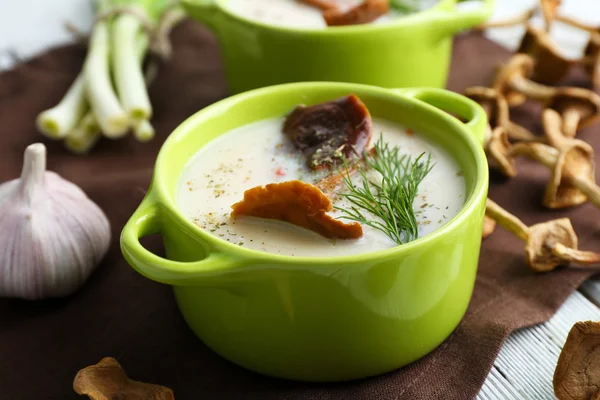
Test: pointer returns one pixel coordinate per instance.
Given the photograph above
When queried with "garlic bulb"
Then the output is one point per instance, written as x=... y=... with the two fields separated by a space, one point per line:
x=51 y=234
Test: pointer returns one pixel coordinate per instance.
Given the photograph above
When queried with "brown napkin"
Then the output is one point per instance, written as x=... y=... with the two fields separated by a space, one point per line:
x=119 y=313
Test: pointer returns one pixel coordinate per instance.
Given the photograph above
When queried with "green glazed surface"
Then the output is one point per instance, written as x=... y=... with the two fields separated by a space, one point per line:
x=318 y=319
x=413 y=51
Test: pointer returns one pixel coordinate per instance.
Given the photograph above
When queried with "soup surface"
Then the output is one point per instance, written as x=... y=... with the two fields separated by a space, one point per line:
x=259 y=154
x=292 y=13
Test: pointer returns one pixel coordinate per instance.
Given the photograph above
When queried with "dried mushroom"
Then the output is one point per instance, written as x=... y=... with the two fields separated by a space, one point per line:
x=577 y=373
x=512 y=81
x=107 y=381
x=571 y=162
x=298 y=203
x=512 y=21
x=591 y=61
x=550 y=66
x=329 y=132
x=489 y=226
x=542 y=240
x=578 y=108
x=363 y=13
x=497 y=112
x=549 y=11
x=498 y=149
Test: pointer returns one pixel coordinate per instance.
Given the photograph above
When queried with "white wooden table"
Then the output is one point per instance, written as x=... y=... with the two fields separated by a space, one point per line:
x=524 y=367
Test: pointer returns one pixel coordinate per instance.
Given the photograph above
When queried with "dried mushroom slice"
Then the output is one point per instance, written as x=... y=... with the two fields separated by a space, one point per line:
x=578 y=108
x=543 y=238
x=577 y=373
x=498 y=149
x=512 y=21
x=364 y=13
x=329 y=132
x=512 y=81
x=550 y=66
x=108 y=381
x=298 y=203
x=497 y=111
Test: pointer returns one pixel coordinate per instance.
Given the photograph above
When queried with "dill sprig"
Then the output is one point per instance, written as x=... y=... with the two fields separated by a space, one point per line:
x=391 y=199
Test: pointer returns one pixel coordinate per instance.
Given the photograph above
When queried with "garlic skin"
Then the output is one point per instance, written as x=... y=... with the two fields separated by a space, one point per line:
x=51 y=234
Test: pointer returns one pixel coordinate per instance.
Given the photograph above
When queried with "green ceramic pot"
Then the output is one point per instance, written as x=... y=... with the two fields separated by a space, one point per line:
x=318 y=319
x=413 y=51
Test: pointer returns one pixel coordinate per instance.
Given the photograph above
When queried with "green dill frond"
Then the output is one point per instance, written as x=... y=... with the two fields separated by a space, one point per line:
x=391 y=199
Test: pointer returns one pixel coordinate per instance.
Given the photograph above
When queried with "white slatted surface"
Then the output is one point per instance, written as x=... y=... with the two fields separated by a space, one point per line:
x=525 y=365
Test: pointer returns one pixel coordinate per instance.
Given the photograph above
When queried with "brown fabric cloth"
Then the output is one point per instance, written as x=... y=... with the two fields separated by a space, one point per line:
x=119 y=313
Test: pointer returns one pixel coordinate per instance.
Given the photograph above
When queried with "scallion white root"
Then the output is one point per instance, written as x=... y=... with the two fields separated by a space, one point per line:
x=129 y=77
x=84 y=136
x=57 y=121
x=108 y=111
x=143 y=131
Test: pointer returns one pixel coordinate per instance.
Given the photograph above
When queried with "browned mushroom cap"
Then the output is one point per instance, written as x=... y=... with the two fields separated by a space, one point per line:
x=107 y=381
x=577 y=373
x=513 y=83
x=549 y=11
x=550 y=66
x=578 y=108
x=498 y=149
x=497 y=111
x=542 y=239
x=592 y=58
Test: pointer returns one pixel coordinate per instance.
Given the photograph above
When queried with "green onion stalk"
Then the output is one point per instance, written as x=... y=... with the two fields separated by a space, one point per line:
x=109 y=97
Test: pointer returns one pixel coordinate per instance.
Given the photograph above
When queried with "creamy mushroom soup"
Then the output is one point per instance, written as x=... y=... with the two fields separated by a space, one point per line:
x=293 y=13
x=259 y=154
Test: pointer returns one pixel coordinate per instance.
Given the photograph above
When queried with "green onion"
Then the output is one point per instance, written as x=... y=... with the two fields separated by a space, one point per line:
x=59 y=120
x=110 y=96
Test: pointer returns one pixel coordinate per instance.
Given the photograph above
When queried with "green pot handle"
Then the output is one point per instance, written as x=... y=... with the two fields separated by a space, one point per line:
x=145 y=221
x=449 y=21
x=461 y=106
x=201 y=10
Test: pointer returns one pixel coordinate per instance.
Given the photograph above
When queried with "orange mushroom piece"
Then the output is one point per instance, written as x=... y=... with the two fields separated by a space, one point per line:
x=497 y=112
x=550 y=66
x=577 y=373
x=571 y=162
x=108 y=381
x=298 y=203
x=364 y=13
x=545 y=243
x=513 y=83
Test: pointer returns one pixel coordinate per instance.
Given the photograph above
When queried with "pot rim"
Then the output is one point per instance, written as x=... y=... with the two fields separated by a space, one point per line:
x=159 y=194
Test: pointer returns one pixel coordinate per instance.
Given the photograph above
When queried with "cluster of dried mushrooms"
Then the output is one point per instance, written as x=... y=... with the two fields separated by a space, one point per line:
x=533 y=73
